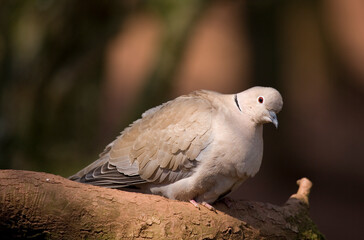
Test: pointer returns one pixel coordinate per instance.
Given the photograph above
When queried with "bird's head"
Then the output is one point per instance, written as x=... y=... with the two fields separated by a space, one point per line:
x=261 y=103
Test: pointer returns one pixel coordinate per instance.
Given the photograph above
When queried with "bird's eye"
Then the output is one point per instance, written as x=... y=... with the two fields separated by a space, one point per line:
x=260 y=99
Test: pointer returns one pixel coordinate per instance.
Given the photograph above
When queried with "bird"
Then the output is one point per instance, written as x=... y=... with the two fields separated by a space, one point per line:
x=198 y=147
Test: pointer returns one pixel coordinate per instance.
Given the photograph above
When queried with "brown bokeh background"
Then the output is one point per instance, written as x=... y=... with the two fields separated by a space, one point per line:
x=73 y=74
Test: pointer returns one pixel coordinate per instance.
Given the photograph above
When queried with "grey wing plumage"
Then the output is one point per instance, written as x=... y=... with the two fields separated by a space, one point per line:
x=106 y=175
x=161 y=147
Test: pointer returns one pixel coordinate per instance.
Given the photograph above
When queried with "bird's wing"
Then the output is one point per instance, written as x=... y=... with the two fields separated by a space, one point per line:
x=160 y=147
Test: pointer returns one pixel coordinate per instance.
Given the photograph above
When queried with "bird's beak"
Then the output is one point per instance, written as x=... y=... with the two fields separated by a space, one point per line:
x=273 y=118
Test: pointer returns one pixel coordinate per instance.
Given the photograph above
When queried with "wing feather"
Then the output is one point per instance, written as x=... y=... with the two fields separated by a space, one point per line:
x=183 y=145
x=162 y=146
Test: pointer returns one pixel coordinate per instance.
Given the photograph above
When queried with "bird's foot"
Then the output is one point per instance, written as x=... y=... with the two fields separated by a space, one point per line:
x=208 y=206
x=205 y=204
x=194 y=203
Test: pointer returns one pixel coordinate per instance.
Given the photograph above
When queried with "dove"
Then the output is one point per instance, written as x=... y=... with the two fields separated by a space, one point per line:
x=198 y=147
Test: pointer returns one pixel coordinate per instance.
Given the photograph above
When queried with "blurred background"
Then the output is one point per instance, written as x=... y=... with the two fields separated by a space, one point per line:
x=74 y=74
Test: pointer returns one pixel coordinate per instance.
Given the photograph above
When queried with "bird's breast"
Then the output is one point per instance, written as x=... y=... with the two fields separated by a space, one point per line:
x=252 y=153
x=239 y=153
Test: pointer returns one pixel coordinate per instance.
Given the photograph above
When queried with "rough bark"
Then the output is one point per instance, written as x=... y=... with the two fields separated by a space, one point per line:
x=42 y=205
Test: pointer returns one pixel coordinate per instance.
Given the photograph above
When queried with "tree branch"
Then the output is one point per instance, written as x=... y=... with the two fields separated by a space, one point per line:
x=42 y=205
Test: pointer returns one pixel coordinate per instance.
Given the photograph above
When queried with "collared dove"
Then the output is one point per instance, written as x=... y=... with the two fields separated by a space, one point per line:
x=197 y=147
